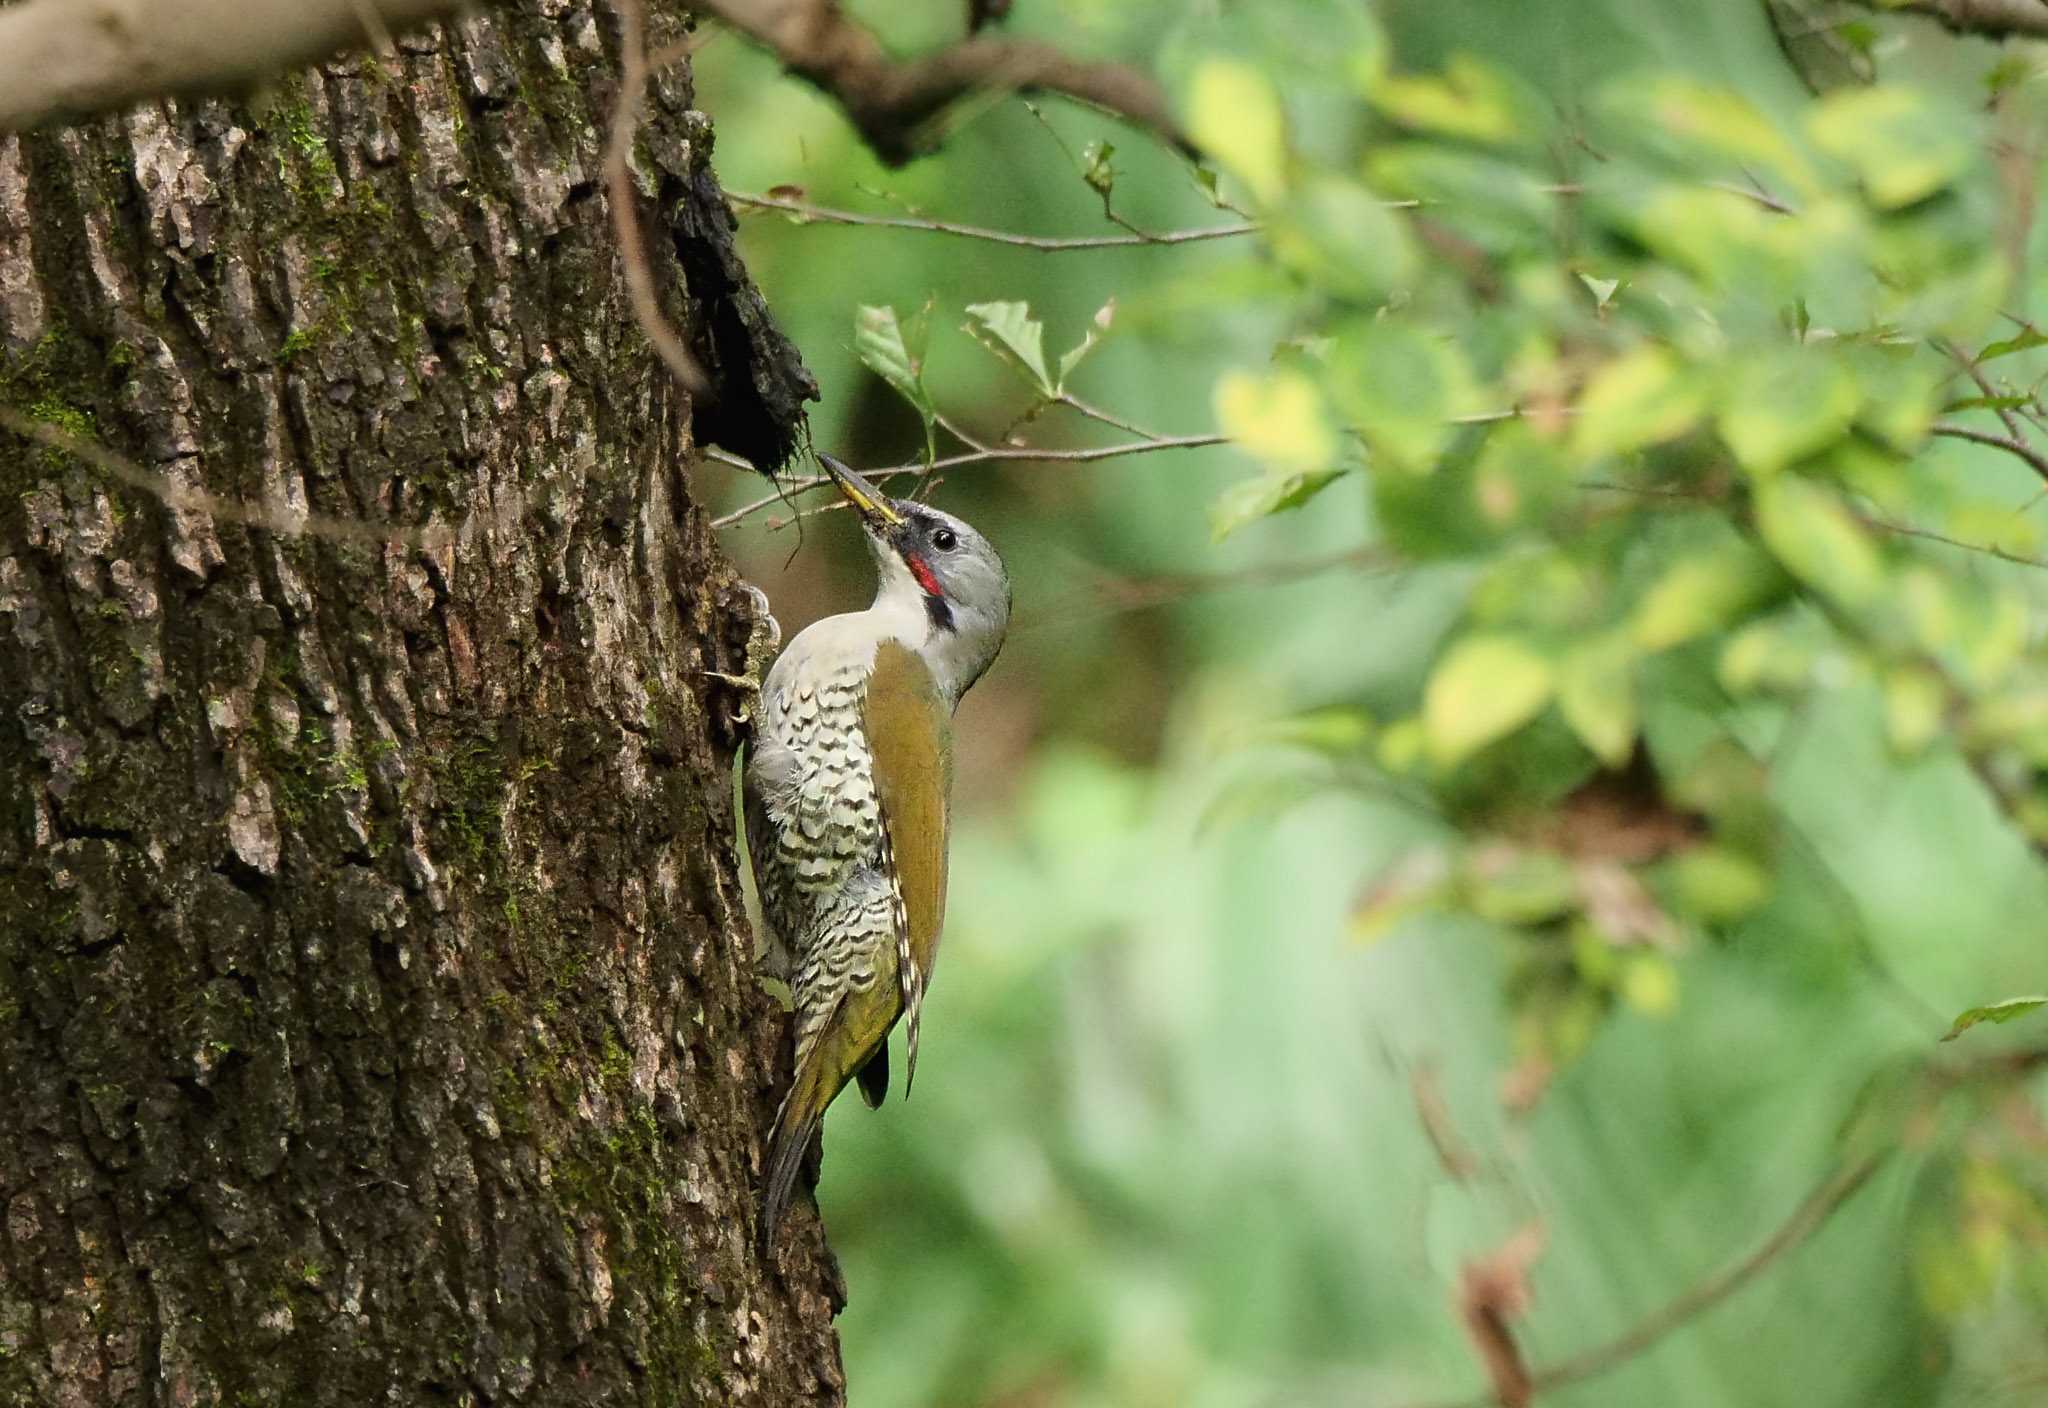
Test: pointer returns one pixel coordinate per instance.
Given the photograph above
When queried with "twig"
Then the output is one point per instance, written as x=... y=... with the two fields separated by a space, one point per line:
x=1751 y=192
x=1807 y=1218
x=953 y=429
x=276 y=518
x=1085 y=455
x=1996 y=19
x=618 y=181
x=2011 y=444
x=893 y=103
x=1983 y=383
x=1871 y=521
x=1046 y=243
x=1096 y=413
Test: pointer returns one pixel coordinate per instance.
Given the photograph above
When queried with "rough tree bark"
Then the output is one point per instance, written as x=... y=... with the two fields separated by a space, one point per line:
x=376 y=1017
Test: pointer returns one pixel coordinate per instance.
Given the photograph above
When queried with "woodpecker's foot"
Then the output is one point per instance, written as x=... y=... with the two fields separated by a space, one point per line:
x=764 y=636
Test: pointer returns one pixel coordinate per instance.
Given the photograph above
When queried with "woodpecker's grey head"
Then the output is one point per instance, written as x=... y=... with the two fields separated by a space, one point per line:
x=936 y=571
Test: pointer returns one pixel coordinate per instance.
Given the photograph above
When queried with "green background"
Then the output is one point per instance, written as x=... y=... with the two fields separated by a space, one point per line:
x=1165 y=1146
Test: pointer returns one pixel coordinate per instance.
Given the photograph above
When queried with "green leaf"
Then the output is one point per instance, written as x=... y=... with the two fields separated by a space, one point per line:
x=879 y=341
x=1596 y=693
x=1518 y=885
x=1017 y=339
x=1785 y=405
x=1649 y=983
x=2025 y=340
x=1902 y=142
x=1483 y=689
x=1640 y=398
x=1470 y=100
x=1718 y=885
x=1341 y=239
x=1234 y=115
x=1096 y=169
x=2005 y=1011
x=1264 y=495
x=1400 y=386
x=1915 y=705
x=1337 y=729
x=1681 y=119
x=1097 y=327
x=1812 y=534
x=1278 y=416
x=1701 y=592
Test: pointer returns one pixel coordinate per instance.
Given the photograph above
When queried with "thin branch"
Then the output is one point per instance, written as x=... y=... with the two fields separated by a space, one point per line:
x=1907 y=530
x=620 y=195
x=958 y=432
x=2011 y=444
x=1751 y=192
x=1096 y=413
x=1870 y=521
x=1983 y=383
x=276 y=518
x=895 y=103
x=67 y=59
x=1994 y=19
x=1807 y=1218
x=1051 y=244
x=1086 y=455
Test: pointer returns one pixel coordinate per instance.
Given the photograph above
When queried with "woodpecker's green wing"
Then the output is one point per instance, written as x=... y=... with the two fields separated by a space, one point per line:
x=910 y=739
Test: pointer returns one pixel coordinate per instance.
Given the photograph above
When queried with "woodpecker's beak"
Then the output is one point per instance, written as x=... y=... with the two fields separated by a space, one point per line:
x=875 y=510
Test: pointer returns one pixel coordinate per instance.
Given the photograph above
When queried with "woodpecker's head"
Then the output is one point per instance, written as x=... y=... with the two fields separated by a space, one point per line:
x=938 y=568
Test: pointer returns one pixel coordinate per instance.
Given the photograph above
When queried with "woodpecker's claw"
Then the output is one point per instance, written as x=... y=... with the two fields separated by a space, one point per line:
x=764 y=637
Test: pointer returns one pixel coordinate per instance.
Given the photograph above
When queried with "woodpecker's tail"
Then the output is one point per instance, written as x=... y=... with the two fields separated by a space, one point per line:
x=850 y=1037
x=795 y=1123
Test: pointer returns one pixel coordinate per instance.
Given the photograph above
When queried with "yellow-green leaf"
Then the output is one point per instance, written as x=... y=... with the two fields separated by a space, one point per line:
x=1649 y=984
x=1784 y=405
x=1278 y=416
x=1809 y=531
x=1686 y=118
x=1264 y=495
x=1470 y=100
x=1915 y=703
x=1701 y=592
x=1483 y=689
x=1640 y=398
x=2004 y=1011
x=1596 y=693
x=1718 y=885
x=1234 y=115
x=1903 y=142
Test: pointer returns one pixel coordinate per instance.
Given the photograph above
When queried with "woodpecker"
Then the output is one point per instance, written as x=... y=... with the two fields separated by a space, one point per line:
x=848 y=789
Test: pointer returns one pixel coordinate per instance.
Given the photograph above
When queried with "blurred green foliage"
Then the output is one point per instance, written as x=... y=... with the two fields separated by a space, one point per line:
x=1604 y=835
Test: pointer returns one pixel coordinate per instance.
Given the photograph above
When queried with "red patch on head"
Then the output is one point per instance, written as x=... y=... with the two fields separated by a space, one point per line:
x=925 y=577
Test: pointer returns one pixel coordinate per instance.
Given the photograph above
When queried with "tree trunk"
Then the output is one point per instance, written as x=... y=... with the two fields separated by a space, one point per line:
x=376 y=1013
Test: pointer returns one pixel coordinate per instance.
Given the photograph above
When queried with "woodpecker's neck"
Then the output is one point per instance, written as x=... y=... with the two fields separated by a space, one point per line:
x=957 y=640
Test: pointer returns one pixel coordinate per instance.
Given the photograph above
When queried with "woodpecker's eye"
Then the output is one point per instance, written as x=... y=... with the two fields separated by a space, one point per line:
x=945 y=540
